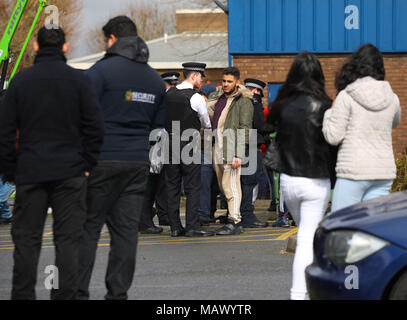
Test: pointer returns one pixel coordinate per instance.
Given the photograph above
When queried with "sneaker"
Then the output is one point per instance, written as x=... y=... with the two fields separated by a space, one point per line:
x=11 y=190
x=281 y=222
x=5 y=213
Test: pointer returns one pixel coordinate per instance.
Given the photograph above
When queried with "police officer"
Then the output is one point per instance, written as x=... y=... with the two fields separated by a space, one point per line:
x=170 y=79
x=249 y=182
x=187 y=110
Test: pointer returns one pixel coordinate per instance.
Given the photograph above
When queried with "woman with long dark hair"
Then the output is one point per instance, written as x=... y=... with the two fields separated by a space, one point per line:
x=361 y=122
x=306 y=159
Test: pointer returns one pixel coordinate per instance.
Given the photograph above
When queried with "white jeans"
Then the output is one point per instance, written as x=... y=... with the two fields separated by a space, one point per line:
x=307 y=200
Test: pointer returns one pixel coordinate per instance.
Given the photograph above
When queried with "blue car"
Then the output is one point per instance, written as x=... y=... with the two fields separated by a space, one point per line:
x=360 y=252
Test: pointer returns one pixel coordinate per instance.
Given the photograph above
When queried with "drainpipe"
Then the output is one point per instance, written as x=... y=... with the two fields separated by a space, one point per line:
x=222 y=6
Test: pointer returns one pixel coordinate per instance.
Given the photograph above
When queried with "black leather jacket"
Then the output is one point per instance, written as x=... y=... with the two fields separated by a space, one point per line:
x=301 y=144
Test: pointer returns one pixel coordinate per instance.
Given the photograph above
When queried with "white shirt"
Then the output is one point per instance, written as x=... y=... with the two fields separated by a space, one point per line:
x=198 y=104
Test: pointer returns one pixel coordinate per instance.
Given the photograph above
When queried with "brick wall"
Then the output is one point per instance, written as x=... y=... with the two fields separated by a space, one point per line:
x=274 y=68
x=197 y=21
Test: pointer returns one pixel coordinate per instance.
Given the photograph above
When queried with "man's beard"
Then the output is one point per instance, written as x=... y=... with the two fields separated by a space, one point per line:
x=231 y=90
x=197 y=85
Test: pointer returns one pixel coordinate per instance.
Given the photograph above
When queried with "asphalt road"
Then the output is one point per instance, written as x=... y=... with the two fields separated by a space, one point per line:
x=253 y=265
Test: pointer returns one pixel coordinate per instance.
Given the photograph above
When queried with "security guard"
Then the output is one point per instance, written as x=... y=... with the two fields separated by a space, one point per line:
x=249 y=182
x=186 y=110
x=170 y=79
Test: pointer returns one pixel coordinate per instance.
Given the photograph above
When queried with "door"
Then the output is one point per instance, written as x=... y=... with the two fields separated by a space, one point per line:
x=273 y=88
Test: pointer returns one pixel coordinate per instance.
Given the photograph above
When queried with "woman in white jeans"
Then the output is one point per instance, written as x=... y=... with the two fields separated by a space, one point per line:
x=306 y=160
x=361 y=122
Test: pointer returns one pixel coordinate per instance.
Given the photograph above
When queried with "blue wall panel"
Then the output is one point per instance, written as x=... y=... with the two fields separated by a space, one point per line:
x=305 y=28
x=260 y=15
x=353 y=37
x=289 y=26
x=322 y=23
x=386 y=24
x=401 y=20
x=275 y=20
x=370 y=21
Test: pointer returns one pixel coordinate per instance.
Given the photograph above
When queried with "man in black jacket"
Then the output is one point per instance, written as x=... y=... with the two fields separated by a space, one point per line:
x=53 y=108
x=132 y=98
x=249 y=182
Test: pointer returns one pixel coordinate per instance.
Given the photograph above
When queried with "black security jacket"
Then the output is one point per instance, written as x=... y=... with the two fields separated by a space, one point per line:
x=300 y=141
x=57 y=116
x=131 y=94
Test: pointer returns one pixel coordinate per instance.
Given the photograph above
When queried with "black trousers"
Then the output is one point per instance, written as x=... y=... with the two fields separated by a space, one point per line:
x=156 y=191
x=214 y=196
x=191 y=174
x=115 y=195
x=248 y=183
x=67 y=199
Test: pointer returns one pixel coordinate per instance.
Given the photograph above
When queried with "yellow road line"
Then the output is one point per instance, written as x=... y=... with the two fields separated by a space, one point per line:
x=278 y=231
x=165 y=240
x=186 y=242
x=286 y=235
x=200 y=242
x=214 y=238
x=141 y=237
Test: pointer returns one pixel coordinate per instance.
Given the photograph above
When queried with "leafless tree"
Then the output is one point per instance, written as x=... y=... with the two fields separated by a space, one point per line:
x=69 y=11
x=193 y=3
x=152 y=22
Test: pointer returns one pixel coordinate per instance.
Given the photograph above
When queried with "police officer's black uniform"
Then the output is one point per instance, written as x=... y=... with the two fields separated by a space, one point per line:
x=248 y=182
x=180 y=110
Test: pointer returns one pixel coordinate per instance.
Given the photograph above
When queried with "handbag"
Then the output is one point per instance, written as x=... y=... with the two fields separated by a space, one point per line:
x=271 y=157
x=157 y=153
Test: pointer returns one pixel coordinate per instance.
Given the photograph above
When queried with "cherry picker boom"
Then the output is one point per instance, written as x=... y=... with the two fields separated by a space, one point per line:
x=8 y=37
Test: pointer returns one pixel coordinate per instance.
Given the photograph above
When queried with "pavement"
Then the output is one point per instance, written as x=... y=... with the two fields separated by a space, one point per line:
x=253 y=265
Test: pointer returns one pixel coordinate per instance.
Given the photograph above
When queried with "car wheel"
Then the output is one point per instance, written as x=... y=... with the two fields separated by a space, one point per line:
x=399 y=289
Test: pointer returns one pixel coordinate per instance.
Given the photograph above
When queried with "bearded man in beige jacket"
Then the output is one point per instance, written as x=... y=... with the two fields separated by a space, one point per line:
x=231 y=113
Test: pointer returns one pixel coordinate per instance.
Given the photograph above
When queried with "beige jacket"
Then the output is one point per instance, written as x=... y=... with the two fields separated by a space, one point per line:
x=237 y=116
x=361 y=122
